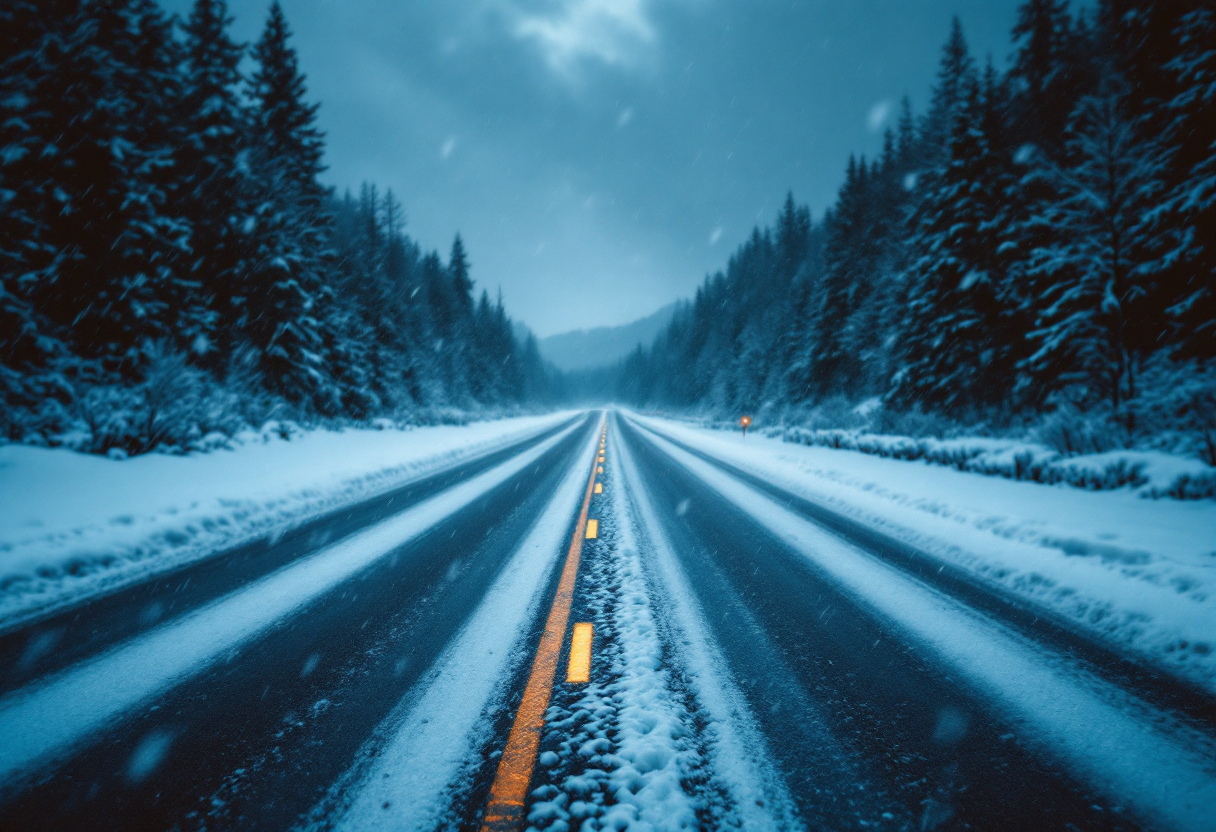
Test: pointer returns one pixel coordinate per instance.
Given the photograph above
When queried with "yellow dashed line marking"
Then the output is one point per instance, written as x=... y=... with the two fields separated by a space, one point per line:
x=579 y=668
x=599 y=488
x=593 y=529
x=505 y=809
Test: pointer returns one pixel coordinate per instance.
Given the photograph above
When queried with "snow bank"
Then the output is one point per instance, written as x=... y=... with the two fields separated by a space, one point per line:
x=618 y=749
x=1139 y=572
x=75 y=524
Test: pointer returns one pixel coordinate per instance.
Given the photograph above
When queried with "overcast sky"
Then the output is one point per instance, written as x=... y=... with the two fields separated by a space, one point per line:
x=600 y=157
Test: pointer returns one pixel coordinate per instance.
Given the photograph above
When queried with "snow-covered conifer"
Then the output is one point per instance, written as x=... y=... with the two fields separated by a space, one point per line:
x=1100 y=311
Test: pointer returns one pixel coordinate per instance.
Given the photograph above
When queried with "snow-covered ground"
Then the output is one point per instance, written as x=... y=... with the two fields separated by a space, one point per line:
x=42 y=720
x=75 y=524
x=1139 y=572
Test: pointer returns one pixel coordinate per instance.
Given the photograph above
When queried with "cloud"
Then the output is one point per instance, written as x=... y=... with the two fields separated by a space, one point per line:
x=878 y=115
x=613 y=32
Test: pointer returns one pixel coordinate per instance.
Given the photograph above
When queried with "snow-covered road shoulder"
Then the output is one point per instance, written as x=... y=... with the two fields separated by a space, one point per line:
x=74 y=524
x=1141 y=573
x=416 y=769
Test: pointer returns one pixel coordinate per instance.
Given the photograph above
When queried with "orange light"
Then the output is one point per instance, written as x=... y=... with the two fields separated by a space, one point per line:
x=745 y=421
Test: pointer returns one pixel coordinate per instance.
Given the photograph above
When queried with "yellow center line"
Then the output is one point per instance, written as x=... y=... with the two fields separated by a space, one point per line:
x=506 y=806
x=593 y=529
x=599 y=488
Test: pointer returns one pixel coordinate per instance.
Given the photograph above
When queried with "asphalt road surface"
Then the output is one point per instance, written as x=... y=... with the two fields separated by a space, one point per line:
x=404 y=664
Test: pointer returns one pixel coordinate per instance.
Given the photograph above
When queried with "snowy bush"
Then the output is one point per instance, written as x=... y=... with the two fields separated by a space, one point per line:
x=1176 y=410
x=834 y=412
x=172 y=408
x=914 y=422
x=1156 y=474
x=109 y=414
x=1070 y=432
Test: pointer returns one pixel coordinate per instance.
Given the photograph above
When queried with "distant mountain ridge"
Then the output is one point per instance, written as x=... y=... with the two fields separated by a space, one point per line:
x=584 y=349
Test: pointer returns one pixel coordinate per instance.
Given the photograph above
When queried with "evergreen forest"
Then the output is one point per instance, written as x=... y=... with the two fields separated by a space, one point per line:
x=172 y=268
x=1037 y=250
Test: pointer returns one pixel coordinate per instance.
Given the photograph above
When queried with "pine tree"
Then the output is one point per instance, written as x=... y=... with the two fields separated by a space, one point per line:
x=285 y=302
x=32 y=42
x=146 y=205
x=959 y=345
x=462 y=284
x=214 y=191
x=848 y=262
x=794 y=239
x=1035 y=237
x=102 y=258
x=953 y=69
x=285 y=125
x=1187 y=216
x=1050 y=72
x=1101 y=310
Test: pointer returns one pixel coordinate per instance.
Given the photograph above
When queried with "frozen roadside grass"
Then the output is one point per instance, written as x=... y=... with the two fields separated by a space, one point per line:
x=74 y=525
x=637 y=747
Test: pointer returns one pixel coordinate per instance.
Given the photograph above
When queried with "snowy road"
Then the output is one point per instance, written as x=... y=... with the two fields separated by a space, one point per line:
x=757 y=662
